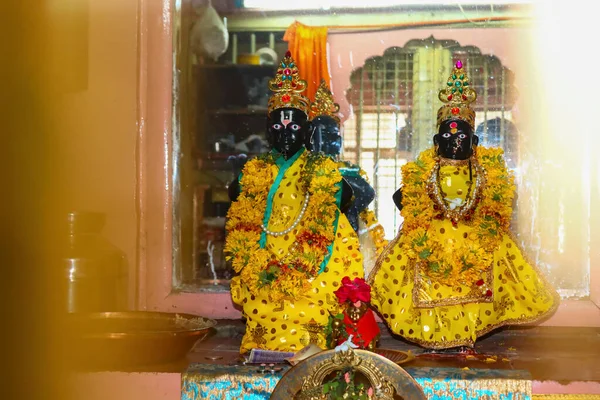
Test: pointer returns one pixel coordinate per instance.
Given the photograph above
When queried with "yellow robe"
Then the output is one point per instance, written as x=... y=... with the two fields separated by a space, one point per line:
x=438 y=316
x=291 y=325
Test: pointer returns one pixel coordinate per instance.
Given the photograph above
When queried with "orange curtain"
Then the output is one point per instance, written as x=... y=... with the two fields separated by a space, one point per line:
x=308 y=46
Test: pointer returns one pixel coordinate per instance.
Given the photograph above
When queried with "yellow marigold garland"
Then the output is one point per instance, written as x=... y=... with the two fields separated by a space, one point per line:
x=286 y=277
x=465 y=263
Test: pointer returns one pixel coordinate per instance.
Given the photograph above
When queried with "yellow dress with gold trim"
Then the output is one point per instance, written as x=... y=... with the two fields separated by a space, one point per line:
x=292 y=323
x=438 y=311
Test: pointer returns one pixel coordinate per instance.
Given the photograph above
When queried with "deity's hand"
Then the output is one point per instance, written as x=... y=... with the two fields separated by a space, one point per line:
x=364 y=193
x=237 y=164
x=347 y=194
x=397 y=197
x=234 y=189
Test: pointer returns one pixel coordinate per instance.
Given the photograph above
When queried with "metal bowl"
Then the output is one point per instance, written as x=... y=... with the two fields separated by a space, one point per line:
x=136 y=338
x=396 y=356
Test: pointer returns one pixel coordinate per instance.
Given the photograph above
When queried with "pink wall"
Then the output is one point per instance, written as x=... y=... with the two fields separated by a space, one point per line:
x=125 y=112
x=349 y=51
x=127 y=106
x=99 y=126
x=572 y=388
x=125 y=386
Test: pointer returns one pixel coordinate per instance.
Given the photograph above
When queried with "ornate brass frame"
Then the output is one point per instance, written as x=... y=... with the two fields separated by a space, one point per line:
x=305 y=380
x=311 y=388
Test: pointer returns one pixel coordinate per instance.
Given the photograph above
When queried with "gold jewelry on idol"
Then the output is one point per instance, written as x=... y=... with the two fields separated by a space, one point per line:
x=324 y=104
x=458 y=95
x=288 y=87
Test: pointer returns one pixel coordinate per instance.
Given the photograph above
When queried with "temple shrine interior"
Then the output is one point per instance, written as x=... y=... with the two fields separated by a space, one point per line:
x=334 y=199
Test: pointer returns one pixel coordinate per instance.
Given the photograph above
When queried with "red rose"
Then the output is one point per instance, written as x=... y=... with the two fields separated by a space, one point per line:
x=355 y=290
x=488 y=293
x=480 y=282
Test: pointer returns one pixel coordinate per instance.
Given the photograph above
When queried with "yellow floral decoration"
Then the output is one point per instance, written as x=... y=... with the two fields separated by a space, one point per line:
x=287 y=276
x=490 y=217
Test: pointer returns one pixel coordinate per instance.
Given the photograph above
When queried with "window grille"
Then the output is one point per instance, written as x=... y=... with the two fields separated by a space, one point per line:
x=394 y=99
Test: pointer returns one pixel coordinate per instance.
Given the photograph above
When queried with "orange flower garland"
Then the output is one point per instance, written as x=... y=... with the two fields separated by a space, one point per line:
x=290 y=276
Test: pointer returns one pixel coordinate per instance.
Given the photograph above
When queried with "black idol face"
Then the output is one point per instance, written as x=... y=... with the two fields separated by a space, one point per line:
x=455 y=140
x=326 y=136
x=287 y=130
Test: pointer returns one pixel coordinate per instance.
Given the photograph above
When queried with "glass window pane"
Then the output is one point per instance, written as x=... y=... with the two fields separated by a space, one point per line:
x=386 y=81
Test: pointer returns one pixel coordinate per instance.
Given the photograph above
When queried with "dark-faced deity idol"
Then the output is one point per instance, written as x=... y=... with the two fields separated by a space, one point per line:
x=454 y=272
x=287 y=239
x=327 y=139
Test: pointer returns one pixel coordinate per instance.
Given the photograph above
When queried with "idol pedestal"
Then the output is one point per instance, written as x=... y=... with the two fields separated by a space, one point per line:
x=544 y=363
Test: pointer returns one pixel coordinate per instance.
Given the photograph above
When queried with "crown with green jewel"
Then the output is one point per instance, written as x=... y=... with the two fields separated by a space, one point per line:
x=288 y=87
x=458 y=95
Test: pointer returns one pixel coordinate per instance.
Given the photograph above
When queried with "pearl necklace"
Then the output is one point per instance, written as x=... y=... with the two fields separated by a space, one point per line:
x=296 y=221
x=463 y=210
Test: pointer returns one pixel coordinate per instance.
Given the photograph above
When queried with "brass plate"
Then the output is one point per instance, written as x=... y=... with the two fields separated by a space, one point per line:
x=396 y=356
x=136 y=338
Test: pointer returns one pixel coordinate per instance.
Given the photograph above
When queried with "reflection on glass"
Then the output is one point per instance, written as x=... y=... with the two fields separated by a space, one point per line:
x=386 y=66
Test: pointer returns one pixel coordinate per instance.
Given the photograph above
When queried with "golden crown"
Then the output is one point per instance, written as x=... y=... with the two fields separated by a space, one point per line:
x=458 y=95
x=288 y=87
x=324 y=104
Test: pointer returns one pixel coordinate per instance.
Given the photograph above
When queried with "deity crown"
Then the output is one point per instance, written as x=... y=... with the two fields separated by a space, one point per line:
x=288 y=87
x=458 y=95
x=324 y=104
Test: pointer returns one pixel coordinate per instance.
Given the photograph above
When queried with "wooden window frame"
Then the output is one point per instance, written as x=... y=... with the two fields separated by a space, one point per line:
x=154 y=258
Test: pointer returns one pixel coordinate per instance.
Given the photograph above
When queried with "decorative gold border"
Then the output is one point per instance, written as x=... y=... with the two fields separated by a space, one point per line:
x=488 y=329
x=385 y=376
x=478 y=334
x=514 y=321
x=381 y=257
x=470 y=298
x=456 y=163
x=312 y=384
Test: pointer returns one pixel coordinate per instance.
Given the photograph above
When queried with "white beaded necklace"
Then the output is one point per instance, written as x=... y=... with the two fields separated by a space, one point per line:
x=296 y=221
